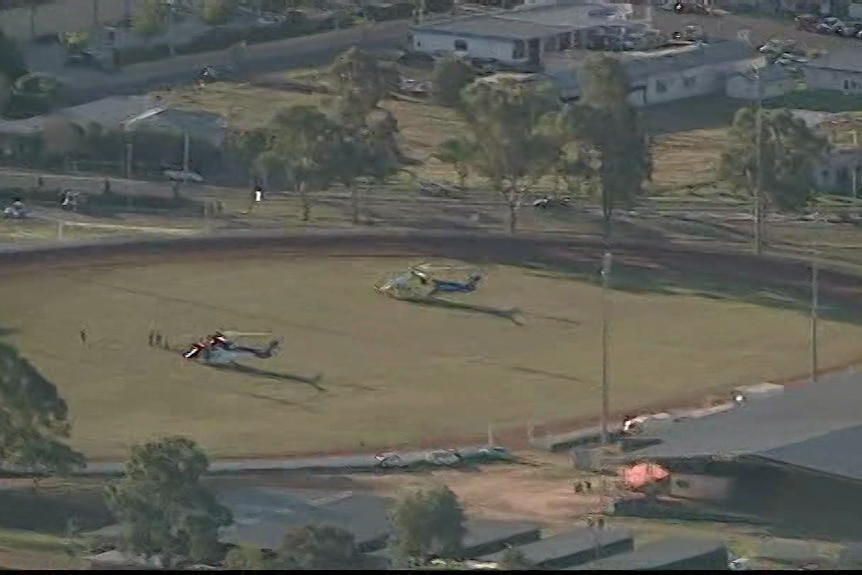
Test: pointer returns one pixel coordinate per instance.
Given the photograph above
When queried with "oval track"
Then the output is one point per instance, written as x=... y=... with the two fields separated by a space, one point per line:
x=565 y=254
x=558 y=252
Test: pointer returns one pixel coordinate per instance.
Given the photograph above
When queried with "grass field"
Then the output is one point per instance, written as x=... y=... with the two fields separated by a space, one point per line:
x=392 y=372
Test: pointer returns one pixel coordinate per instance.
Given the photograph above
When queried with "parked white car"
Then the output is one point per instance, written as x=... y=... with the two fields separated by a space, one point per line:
x=389 y=460
x=443 y=457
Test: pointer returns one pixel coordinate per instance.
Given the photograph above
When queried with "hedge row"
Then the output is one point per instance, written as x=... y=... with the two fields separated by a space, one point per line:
x=296 y=25
x=221 y=38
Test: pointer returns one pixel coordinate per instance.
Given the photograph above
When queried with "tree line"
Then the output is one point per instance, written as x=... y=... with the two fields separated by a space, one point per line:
x=518 y=135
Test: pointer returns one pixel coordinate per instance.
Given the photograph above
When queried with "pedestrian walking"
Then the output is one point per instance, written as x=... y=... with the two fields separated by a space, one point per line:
x=83 y=336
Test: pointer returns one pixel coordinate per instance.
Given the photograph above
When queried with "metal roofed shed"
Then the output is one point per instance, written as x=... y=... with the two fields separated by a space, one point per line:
x=815 y=427
x=490 y=26
x=676 y=554
x=261 y=516
x=486 y=536
x=571 y=548
x=642 y=65
x=842 y=61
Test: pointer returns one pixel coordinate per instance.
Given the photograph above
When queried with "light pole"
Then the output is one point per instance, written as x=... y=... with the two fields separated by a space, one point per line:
x=814 y=311
x=607 y=263
x=758 y=186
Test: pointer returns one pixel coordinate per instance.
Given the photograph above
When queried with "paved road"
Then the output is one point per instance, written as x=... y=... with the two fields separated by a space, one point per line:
x=332 y=464
x=762 y=28
x=83 y=86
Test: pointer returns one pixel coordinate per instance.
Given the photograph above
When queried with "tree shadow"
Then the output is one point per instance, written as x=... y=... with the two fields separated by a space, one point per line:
x=717 y=276
x=313 y=381
x=51 y=509
x=702 y=113
x=7 y=331
x=510 y=314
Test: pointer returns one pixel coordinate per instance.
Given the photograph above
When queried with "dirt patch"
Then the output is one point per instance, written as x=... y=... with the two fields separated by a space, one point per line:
x=505 y=493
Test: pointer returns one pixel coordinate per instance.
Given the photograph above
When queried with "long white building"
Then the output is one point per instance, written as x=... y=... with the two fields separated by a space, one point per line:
x=522 y=36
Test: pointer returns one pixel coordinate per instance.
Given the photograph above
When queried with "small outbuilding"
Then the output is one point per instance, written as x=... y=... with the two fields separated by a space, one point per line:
x=676 y=554
x=571 y=548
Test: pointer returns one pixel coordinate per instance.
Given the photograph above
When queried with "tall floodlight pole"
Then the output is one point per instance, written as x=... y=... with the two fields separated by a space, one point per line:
x=607 y=262
x=758 y=186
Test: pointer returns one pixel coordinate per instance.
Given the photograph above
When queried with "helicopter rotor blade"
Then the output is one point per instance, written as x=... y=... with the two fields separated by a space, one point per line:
x=229 y=333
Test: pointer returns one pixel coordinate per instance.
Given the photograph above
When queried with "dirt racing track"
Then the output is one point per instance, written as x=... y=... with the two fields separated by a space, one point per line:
x=561 y=253
x=581 y=256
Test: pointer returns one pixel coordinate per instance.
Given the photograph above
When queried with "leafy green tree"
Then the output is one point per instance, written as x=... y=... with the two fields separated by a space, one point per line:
x=575 y=167
x=788 y=151
x=359 y=85
x=314 y=547
x=428 y=522
x=365 y=152
x=165 y=510
x=34 y=419
x=12 y=64
x=615 y=131
x=457 y=153
x=303 y=140
x=367 y=147
x=246 y=559
x=510 y=147
x=451 y=75
x=217 y=12
x=152 y=19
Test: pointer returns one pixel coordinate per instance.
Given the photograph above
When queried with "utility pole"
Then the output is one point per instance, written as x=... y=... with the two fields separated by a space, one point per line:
x=607 y=263
x=815 y=304
x=758 y=186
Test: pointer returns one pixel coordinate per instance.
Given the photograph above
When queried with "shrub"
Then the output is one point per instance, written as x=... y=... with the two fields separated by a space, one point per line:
x=217 y=11
x=450 y=77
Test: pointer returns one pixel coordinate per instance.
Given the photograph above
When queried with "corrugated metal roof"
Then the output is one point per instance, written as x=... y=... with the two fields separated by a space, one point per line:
x=482 y=532
x=658 y=555
x=843 y=60
x=109 y=112
x=641 y=65
x=488 y=26
x=565 y=544
x=261 y=516
x=814 y=426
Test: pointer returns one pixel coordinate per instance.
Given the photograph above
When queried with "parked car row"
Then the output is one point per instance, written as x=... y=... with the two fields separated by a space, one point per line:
x=829 y=25
x=446 y=458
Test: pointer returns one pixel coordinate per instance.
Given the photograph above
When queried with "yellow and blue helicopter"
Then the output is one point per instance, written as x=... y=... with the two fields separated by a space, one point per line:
x=423 y=282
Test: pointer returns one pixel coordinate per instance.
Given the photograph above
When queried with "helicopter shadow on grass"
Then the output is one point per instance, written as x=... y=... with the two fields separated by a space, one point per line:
x=510 y=314
x=313 y=381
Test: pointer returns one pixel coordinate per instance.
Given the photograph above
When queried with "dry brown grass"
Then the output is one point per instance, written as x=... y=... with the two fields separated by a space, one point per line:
x=393 y=372
x=683 y=159
x=689 y=158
